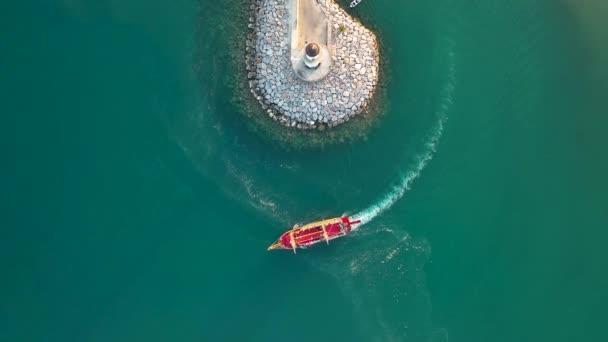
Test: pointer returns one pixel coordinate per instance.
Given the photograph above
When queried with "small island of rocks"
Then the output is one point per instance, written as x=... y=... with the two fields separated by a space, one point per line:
x=310 y=65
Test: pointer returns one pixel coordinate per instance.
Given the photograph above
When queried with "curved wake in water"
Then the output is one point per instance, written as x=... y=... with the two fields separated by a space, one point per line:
x=406 y=180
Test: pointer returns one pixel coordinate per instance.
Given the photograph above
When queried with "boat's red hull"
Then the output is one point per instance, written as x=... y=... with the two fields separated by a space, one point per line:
x=308 y=235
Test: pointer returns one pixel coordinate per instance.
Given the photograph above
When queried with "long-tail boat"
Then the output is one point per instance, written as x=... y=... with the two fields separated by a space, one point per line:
x=315 y=232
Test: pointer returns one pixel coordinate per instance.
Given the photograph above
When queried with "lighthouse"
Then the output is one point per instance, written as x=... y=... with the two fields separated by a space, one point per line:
x=312 y=56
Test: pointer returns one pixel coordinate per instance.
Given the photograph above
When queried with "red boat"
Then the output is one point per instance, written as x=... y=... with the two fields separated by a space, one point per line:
x=307 y=235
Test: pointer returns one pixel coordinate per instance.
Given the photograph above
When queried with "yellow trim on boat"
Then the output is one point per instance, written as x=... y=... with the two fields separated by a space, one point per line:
x=318 y=223
x=275 y=245
x=292 y=240
x=325 y=234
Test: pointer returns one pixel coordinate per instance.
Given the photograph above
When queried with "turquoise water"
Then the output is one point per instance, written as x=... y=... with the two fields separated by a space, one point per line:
x=138 y=202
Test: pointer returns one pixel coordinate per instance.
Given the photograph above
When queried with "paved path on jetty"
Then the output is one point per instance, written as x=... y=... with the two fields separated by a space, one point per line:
x=312 y=23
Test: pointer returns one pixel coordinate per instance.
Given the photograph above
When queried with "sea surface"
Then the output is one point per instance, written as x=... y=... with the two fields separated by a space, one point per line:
x=138 y=200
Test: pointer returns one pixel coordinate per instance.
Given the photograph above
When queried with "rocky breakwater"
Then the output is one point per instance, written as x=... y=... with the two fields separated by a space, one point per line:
x=346 y=90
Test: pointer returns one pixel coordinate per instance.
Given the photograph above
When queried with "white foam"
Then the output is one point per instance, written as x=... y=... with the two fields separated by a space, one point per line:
x=406 y=180
x=259 y=200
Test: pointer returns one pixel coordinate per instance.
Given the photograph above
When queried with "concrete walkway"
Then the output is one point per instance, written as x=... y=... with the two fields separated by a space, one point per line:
x=309 y=24
x=312 y=24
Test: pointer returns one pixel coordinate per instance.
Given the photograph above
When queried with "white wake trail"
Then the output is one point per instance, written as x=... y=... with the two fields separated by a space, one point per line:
x=406 y=180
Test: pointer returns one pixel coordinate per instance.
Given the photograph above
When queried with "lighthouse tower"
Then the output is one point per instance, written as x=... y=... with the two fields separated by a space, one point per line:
x=312 y=56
